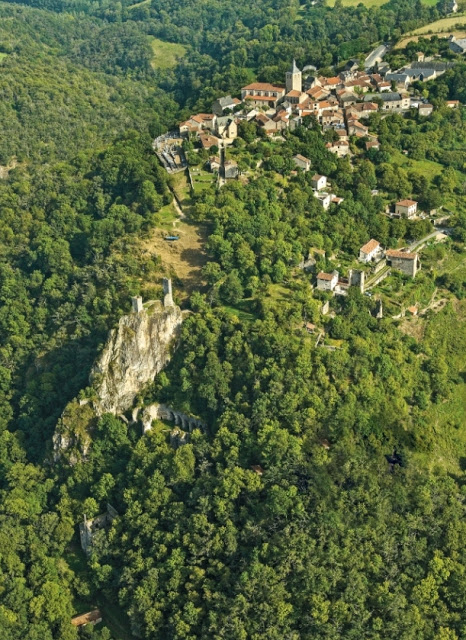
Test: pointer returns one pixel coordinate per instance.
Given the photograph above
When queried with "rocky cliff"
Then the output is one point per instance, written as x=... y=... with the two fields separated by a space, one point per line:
x=136 y=351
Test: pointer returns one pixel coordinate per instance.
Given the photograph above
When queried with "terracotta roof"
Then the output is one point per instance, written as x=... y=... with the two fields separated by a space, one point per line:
x=261 y=98
x=86 y=618
x=261 y=117
x=406 y=203
x=294 y=93
x=236 y=101
x=325 y=276
x=262 y=86
x=334 y=80
x=310 y=326
x=370 y=246
x=317 y=177
x=412 y=310
x=208 y=141
x=405 y=255
x=202 y=117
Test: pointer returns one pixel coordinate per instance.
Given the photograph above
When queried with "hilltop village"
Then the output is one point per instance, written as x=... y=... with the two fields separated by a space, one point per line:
x=341 y=105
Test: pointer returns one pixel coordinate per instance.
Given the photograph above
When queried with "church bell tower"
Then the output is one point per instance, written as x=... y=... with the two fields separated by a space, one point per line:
x=294 y=81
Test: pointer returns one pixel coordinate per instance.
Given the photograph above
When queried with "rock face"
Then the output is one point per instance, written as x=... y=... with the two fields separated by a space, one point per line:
x=135 y=353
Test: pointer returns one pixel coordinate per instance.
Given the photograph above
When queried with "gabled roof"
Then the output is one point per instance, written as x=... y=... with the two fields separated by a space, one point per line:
x=298 y=156
x=370 y=246
x=325 y=276
x=404 y=255
x=406 y=203
x=262 y=86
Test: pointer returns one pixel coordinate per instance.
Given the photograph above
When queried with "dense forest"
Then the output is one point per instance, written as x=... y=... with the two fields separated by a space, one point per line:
x=282 y=519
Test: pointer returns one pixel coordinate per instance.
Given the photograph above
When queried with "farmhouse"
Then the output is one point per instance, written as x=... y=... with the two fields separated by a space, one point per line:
x=327 y=281
x=318 y=182
x=370 y=251
x=302 y=162
x=404 y=261
x=406 y=208
x=425 y=109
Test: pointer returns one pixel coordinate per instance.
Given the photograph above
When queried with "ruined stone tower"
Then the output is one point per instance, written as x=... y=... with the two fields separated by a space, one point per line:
x=167 y=290
x=136 y=303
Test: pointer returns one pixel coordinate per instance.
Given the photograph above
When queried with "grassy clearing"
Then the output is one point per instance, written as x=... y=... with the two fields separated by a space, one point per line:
x=183 y=260
x=202 y=180
x=440 y=26
x=166 y=54
x=241 y=311
x=426 y=168
x=2 y=56
x=180 y=185
x=354 y=3
x=166 y=216
x=139 y=4
x=444 y=34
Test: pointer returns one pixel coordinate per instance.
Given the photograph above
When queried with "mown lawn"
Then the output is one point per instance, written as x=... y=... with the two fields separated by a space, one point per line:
x=166 y=54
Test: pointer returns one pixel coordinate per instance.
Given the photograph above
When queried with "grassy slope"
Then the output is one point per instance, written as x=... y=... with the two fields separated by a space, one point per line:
x=166 y=54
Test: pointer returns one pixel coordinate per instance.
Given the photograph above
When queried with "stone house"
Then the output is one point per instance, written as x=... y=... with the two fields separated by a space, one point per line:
x=214 y=164
x=301 y=162
x=425 y=109
x=453 y=104
x=391 y=100
x=207 y=141
x=457 y=45
x=318 y=182
x=404 y=261
x=400 y=80
x=226 y=127
x=327 y=281
x=231 y=169
x=221 y=104
x=266 y=123
x=339 y=148
x=262 y=94
x=324 y=198
x=406 y=208
x=356 y=128
x=370 y=251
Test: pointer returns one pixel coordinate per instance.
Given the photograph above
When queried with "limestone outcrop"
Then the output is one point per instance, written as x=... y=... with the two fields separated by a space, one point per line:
x=136 y=351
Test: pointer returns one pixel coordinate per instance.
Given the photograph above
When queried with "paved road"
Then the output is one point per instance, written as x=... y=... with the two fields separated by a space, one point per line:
x=430 y=236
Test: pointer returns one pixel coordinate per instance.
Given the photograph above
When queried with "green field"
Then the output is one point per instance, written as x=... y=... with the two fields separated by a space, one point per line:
x=427 y=168
x=373 y=3
x=2 y=56
x=166 y=54
x=444 y=24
